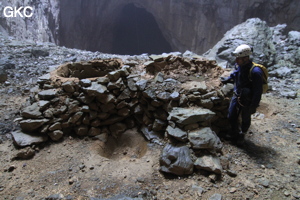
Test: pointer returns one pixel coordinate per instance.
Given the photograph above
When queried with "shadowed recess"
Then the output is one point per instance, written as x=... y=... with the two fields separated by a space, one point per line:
x=137 y=32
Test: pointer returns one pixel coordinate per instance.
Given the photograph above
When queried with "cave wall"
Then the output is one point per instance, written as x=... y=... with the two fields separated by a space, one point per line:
x=194 y=25
x=42 y=26
x=115 y=27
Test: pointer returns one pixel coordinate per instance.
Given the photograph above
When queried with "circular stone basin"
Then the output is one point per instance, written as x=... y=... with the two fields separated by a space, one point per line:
x=90 y=69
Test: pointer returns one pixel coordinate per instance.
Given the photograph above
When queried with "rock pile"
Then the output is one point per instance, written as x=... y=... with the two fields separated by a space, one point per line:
x=173 y=98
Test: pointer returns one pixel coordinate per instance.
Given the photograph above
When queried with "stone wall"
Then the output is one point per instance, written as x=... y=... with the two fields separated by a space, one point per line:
x=169 y=97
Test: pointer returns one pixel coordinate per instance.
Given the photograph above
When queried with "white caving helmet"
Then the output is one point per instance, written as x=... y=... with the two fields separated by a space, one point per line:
x=242 y=51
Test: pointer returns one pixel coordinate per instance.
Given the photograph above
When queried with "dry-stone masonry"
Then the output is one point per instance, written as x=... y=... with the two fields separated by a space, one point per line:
x=170 y=98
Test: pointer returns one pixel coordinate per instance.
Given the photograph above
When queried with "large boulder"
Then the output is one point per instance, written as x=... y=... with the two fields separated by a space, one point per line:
x=272 y=47
x=254 y=32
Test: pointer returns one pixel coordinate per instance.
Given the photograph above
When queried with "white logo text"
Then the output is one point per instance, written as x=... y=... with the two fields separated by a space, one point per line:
x=15 y=12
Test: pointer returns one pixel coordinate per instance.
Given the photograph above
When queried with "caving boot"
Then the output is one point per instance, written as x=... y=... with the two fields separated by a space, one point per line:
x=240 y=140
x=232 y=136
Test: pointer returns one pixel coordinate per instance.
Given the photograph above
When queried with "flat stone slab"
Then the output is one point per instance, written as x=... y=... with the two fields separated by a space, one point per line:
x=47 y=94
x=30 y=125
x=95 y=89
x=177 y=133
x=150 y=134
x=185 y=116
x=32 y=112
x=157 y=58
x=22 y=139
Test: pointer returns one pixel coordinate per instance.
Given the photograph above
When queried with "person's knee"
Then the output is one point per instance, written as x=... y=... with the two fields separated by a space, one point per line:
x=232 y=115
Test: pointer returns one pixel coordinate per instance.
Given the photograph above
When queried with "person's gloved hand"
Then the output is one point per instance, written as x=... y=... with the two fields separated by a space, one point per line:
x=252 y=110
x=226 y=80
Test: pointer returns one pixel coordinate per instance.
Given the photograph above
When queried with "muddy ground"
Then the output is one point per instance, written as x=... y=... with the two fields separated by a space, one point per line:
x=265 y=167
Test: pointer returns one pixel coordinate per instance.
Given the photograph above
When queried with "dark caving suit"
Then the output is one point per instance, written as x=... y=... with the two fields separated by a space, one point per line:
x=246 y=98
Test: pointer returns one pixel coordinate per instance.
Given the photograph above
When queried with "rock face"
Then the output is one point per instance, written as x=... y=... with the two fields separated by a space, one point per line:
x=256 y=33
x=177 y=25
x=41 y=26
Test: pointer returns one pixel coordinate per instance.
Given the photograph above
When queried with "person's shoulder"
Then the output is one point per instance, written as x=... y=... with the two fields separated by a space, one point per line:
x=256 y=69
